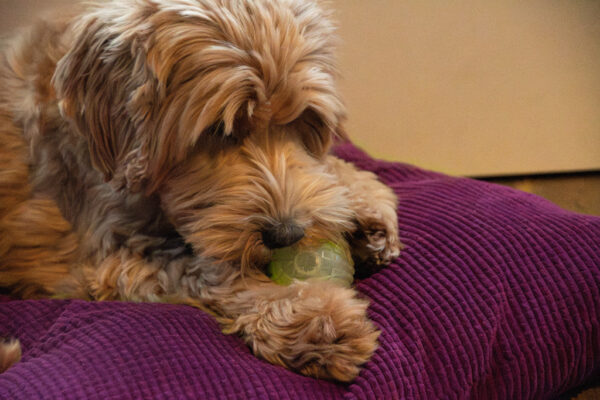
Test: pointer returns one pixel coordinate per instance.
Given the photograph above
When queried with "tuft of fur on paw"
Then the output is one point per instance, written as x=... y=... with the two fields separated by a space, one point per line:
x=317 y=329
x=10 y=353
x=374 y=246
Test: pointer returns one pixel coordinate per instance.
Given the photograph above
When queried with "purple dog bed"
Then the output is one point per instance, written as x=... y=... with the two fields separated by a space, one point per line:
x=496 y=296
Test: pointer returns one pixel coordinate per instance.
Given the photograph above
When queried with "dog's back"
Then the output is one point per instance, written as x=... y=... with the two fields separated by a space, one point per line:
x=56 y=210
x=25 y=74
x=32 y=230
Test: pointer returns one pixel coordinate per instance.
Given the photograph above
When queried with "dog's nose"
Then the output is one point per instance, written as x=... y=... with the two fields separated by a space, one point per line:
x=282 y=234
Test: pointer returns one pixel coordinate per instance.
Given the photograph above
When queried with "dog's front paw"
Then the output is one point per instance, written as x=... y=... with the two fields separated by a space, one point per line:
x=319 y=330
x=375 y=243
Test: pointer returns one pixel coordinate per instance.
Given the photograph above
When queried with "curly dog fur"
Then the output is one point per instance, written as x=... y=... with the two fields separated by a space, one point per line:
x=148 y=147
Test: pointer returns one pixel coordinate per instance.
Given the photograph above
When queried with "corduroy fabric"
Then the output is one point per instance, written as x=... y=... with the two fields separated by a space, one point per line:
x=496 y=296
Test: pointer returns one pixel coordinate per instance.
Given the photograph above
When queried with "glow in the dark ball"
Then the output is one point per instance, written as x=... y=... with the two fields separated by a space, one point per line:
x=327 y=261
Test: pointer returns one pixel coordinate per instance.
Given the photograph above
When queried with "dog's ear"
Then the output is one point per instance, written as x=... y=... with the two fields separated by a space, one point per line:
x=140 y=84
x=103 y=85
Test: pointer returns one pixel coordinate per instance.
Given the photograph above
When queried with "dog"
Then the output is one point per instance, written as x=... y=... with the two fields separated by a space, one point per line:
x=159 y=150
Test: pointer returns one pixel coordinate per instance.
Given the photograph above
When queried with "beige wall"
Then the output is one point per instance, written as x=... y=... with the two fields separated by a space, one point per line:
x=473 y=87
x=16 y=13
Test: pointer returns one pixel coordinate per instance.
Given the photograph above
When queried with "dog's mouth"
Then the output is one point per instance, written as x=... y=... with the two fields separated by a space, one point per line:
x=255 y=255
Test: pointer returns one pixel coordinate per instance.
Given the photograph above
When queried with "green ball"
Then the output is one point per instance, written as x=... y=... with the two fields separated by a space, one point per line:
x=327 y=261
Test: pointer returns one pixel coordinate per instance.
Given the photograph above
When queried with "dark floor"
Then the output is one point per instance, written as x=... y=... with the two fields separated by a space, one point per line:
x=579 y=192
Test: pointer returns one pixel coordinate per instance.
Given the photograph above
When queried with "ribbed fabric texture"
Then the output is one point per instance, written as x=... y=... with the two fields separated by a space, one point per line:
x=496 y=296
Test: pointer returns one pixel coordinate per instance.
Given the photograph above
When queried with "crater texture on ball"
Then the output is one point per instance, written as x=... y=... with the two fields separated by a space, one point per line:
x=326 y=261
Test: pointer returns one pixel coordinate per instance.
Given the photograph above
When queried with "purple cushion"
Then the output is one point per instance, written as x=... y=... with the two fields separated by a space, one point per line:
x=495 y=296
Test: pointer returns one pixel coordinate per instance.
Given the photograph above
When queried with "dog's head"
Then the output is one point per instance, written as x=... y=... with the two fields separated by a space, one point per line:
x=224 y=108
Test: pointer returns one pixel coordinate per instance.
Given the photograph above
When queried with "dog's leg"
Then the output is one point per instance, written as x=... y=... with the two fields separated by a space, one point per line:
x=129 y=275
x=315 y=328
x=375 y=242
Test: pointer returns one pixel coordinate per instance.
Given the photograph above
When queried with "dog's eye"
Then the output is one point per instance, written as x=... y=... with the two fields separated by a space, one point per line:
x=214 y=139
x=316 y=135
x=215 y=130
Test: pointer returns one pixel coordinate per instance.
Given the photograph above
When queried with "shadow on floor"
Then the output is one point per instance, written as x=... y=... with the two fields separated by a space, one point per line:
x=578 y=192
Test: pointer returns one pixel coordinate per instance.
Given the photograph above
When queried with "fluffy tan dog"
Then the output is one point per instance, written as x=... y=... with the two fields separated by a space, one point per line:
x=159 y=150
